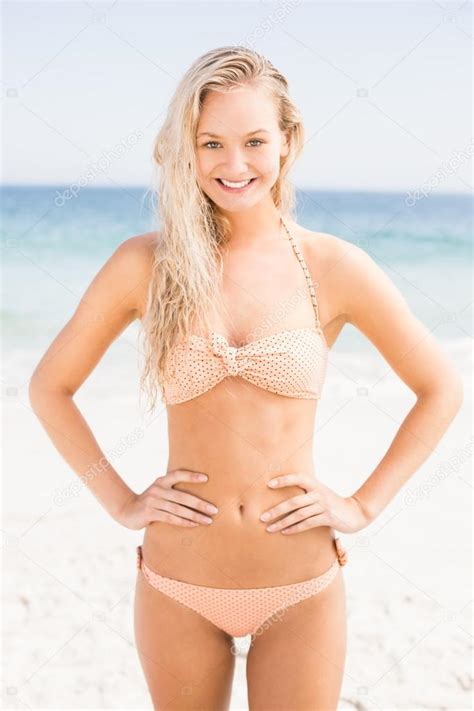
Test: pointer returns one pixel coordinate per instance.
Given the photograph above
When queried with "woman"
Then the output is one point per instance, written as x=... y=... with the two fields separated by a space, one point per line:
x=240 y=308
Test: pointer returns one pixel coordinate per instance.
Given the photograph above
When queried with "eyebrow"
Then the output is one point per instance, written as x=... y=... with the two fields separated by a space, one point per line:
x=214 y=135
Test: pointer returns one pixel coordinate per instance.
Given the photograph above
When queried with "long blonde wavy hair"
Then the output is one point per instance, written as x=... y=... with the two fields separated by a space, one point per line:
x=184 y=287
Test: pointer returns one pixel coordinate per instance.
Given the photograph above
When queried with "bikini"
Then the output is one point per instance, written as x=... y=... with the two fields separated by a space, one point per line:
x=241 y=611
x=291 y=363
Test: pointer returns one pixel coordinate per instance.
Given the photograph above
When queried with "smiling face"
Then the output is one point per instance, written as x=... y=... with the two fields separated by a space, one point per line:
x=238 y=140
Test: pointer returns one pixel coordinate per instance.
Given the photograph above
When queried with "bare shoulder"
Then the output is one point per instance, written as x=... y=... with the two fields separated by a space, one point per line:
x=134 y=259
x=140 y=248
x=343 y=269
x=332 y=262
x=325 y=250
x=359 y=291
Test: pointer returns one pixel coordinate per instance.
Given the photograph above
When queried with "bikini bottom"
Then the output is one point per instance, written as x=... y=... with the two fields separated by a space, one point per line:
x=241 y=611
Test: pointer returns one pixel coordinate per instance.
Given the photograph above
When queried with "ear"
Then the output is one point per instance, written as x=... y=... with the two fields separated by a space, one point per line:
x=285 y=144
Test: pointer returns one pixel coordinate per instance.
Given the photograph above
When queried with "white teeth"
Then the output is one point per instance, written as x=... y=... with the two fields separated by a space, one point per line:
x=228 y=184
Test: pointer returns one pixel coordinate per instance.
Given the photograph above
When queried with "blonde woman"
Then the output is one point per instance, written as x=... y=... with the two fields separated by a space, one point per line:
x=240 y=308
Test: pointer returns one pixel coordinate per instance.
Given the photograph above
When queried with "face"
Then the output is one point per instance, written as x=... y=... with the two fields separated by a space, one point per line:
x=238 y=139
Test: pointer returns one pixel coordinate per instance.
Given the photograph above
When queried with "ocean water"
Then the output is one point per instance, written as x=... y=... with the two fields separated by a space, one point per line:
x=54 y=243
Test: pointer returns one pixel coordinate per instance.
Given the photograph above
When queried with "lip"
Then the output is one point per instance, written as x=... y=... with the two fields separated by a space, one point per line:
x=236 y=191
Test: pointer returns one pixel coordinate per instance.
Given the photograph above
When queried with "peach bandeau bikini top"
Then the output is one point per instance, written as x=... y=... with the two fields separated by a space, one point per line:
x=291 y=363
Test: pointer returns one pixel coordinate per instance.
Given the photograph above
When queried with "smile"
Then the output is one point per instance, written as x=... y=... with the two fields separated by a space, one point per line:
x=234 y=187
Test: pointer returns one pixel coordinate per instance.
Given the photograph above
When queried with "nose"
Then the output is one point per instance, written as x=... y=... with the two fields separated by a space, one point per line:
x=235 y=164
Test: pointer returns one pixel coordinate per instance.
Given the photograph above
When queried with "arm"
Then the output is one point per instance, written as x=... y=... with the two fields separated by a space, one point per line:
x=374 y=305
x=116 y=296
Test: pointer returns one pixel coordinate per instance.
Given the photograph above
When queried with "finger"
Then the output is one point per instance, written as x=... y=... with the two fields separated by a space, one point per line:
x=285 y=506
x=192 y=501
x=177 y=475
x=295 y=479
x=158 y=515
x=312 y=522
x=296 y=517
x=183 y=511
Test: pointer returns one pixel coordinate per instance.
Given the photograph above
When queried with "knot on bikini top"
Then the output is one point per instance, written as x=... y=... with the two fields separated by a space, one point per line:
x=232 y=359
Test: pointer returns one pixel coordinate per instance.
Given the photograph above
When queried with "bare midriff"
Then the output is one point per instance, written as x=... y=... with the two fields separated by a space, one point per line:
x=241 y=436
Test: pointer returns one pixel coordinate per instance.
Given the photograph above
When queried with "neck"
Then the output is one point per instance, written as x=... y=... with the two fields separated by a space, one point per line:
x=253 y=227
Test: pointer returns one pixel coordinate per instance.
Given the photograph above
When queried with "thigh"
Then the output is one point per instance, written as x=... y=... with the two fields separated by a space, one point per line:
x=187 y=661
x=297 y=660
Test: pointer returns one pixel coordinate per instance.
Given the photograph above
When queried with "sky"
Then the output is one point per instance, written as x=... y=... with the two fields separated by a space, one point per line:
x=384 y=87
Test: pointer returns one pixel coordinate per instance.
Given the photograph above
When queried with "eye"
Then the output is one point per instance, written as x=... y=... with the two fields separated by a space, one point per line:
x=253 y=140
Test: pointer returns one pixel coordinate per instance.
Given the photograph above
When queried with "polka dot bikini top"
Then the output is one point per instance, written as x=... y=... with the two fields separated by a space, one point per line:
x=291 y=363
